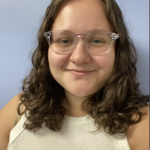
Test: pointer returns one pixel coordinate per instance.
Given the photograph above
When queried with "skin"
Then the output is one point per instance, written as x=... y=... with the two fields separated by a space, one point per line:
x=80 y=17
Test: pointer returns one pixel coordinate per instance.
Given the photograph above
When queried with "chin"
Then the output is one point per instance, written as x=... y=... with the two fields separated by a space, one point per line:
x=81 y=94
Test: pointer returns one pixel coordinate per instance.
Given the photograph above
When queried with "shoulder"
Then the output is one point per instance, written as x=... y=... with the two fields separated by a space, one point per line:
x=138 y=134
x=10 y=109
x=7 y=117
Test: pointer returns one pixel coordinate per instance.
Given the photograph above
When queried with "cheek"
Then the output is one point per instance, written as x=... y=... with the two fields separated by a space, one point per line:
x=105 y=61
x=56 y=61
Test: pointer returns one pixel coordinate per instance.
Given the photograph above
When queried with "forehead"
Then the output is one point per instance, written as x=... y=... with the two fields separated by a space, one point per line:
x=77 y=15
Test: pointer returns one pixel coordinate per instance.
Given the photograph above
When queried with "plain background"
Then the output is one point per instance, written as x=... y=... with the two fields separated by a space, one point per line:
x=19 y=24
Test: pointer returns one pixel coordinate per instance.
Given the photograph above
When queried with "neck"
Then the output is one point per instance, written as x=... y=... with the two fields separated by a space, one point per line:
x=73 y=105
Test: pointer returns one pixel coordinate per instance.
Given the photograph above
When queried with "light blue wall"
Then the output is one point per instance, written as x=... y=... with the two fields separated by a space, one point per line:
x=19 y=24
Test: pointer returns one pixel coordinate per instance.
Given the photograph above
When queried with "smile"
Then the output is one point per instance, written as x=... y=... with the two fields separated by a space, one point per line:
x=79 y=73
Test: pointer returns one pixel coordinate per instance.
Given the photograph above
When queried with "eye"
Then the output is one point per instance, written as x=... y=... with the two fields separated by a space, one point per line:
x=97 y=41
x=65 y=41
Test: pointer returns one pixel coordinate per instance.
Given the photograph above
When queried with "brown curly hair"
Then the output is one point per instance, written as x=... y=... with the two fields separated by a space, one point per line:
x=112 y=107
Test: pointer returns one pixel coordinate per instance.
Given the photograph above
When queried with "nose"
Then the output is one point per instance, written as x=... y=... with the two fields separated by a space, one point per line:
x=80 y=55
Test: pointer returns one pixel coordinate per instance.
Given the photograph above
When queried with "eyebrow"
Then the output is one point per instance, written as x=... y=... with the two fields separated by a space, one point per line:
x=88 y=31
x=98 y=30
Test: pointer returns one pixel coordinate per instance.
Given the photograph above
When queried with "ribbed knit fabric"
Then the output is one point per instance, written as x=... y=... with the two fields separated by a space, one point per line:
x=74 y=135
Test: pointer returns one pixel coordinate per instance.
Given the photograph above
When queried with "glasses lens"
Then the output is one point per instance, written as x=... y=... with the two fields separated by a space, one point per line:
x=62 y=42
x=98 y=42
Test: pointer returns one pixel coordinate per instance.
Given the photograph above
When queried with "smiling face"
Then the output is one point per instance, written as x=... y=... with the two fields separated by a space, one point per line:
x=79 y=72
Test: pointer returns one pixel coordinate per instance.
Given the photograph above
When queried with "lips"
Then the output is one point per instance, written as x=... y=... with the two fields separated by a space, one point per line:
x=80 y=73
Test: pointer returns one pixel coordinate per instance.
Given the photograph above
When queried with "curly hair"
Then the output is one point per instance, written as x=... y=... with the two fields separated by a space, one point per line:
x=112 y=107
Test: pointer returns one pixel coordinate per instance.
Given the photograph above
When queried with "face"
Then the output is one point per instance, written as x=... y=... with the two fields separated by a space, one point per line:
x=79 y=72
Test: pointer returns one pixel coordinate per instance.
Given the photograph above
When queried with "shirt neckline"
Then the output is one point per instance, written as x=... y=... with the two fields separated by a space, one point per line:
x=77 y=120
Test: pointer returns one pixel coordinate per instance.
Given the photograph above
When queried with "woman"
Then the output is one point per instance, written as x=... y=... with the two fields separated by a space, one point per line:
x=82 y=91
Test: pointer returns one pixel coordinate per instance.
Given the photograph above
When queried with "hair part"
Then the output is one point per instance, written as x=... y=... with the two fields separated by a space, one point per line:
x=112 y=107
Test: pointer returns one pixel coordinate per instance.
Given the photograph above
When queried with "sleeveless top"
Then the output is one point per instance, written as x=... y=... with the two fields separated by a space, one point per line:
x=74 y=135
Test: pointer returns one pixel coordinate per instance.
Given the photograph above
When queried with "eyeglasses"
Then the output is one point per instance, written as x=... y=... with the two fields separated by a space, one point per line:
x=64 y=42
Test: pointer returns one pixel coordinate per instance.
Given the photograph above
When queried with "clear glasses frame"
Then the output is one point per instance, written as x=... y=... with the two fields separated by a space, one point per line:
x=113 y=36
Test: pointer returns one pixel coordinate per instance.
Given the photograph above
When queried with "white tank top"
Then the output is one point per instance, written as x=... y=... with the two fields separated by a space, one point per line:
x=74 y=135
